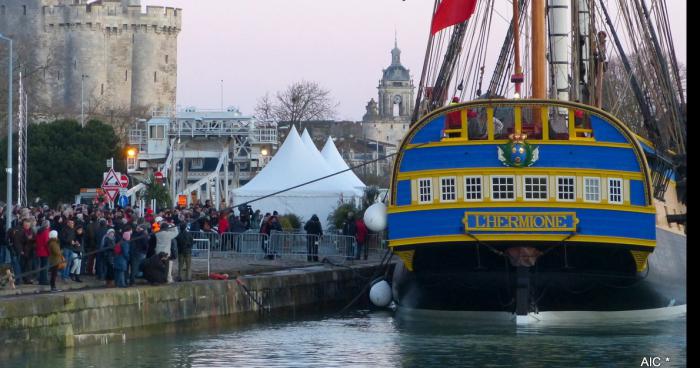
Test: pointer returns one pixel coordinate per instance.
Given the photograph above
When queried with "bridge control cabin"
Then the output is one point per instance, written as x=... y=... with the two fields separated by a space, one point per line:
x=556 y=176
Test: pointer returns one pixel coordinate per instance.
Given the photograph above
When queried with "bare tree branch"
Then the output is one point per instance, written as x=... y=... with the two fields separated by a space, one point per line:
x=300 y=102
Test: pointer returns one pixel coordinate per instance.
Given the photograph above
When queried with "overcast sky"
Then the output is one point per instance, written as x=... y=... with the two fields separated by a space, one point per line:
x=259 y=46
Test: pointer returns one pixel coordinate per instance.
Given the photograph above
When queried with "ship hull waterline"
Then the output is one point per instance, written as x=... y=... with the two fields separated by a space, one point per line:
x=593 y=281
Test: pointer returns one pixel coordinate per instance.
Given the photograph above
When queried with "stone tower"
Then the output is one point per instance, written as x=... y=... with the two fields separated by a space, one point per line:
x=125 y=59
x=395 y=88
x=387 y=119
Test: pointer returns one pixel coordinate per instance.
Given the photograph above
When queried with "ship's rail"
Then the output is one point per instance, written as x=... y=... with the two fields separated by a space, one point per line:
x=496 y=119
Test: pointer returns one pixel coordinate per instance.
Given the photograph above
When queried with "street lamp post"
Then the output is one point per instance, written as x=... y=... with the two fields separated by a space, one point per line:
x=8 y=170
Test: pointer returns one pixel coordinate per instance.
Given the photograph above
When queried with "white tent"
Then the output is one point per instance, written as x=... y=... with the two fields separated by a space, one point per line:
x=336 y=162
x=292 y=165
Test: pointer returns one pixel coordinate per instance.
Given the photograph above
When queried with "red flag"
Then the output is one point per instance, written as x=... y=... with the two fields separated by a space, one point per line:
x=451 y=12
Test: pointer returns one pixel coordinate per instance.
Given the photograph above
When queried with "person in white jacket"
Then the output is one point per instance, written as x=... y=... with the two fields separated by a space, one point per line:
x=164 y=238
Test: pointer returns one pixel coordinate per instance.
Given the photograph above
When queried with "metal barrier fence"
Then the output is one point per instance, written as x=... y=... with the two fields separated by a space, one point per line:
x=337 y=248
x=244 y=244
x=202 y=246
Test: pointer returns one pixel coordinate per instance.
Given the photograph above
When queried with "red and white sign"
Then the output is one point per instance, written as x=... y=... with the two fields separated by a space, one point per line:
x=111 y=180
x=111 y=185
x=124 y=181
x=112 y=193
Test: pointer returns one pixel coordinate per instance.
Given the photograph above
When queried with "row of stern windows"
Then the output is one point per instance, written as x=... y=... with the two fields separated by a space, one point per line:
x=479 y=188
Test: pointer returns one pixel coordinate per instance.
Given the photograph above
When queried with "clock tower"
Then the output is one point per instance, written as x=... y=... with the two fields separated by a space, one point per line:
x=387 y=119
x=395 y=89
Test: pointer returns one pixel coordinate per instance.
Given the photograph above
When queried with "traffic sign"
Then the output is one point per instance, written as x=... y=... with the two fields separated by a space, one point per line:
x=111 y=185
x=123 y=201
x=111 y=180
x=111 y=193
x=158 y=176
x=124 y=181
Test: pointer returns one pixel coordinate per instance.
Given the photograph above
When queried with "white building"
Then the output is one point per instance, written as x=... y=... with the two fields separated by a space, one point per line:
x=201 y=153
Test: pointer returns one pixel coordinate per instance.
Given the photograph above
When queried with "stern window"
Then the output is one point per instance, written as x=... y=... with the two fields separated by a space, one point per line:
x=448 y=189
x=503 y=188
x=591 y=189
x=566 y=188
x=472 y=188
x=615 y=190
x=535 y=187
x=425 y=190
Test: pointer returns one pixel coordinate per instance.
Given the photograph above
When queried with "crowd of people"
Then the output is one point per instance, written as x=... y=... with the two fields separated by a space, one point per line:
x=123 y=244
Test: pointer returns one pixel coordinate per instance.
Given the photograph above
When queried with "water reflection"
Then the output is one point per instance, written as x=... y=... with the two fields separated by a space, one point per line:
x=381 y=339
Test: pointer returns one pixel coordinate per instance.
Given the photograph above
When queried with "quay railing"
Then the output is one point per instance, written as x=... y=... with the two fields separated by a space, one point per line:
x=282 y=245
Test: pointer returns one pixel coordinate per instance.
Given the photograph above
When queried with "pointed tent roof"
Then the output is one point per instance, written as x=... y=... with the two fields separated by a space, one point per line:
x=311 y=146
x=294 y=164
x=336 y=162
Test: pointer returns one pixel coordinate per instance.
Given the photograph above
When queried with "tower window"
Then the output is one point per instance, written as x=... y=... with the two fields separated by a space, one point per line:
x=102 y=89
x=24 y=9
x=126 y=74
x=166 y=59
x=155 y=77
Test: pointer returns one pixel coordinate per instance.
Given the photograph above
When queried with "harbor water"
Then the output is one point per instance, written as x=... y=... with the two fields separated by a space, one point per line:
x=366 y=338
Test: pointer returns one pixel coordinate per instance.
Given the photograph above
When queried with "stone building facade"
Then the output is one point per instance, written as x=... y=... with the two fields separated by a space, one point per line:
x=125 y=58
x=387 y=119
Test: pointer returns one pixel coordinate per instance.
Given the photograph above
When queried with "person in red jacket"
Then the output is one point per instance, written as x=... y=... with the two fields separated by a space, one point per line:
x=361 y=238
x=42 y=251
x=223 y=222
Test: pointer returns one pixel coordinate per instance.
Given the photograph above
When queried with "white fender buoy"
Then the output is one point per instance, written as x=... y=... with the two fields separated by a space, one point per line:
x=375 y=217
x=380 y=294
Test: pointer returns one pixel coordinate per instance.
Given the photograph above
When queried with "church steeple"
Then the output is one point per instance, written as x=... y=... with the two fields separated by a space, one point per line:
x=396 y=52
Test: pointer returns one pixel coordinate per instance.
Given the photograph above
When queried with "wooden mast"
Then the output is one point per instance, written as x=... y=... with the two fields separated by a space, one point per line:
x=539 y=62
x=517 y=76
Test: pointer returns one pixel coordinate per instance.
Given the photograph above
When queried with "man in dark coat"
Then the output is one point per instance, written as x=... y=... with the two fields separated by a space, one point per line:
x=184 y=253
x=349 y=229
x=139 y=248
x=155 y=269
x=91 y=243
x=313 y=227
x=24 y=244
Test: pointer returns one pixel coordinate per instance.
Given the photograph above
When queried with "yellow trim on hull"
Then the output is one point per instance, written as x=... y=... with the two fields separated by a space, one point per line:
x=520 y=205
x=448 y=143
x=632 y=175
x=522 y=237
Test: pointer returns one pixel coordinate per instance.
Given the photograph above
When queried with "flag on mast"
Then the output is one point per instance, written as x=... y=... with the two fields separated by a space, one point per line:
x=451 y=12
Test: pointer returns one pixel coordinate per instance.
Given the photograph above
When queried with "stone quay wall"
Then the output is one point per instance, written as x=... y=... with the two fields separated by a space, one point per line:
x=63 y=320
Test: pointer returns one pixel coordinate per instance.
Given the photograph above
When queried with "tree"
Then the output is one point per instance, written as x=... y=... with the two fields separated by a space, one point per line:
x=64 y=157
x=265 y=110
x=157 y=191
x=300 y=102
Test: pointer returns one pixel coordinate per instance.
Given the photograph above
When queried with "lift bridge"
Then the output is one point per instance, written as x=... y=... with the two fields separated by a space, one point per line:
x=200 y=153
